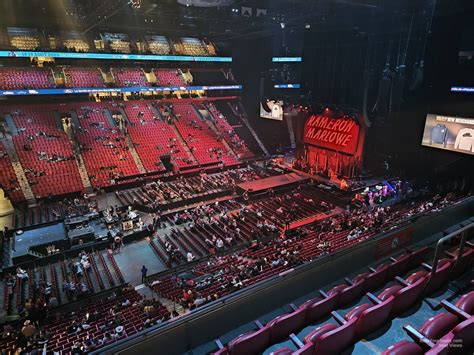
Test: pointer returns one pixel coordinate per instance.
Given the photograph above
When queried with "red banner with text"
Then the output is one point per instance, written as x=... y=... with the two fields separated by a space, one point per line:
x=339 y=134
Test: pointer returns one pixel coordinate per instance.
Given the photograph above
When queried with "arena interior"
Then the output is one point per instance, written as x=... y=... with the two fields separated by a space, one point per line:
x=236 y=177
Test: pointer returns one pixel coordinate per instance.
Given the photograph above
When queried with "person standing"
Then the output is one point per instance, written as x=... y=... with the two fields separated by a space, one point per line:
x=144 y=271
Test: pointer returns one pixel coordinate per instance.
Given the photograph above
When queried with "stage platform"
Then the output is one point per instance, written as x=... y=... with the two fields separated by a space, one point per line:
x=48 y=234
x=271 y=182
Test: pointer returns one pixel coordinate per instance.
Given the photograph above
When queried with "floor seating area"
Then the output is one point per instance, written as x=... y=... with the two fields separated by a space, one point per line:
x=26 y=78
x=129 y=77
x=161 y=193
x=45 y=152
x=104 y=149
x=153 y=138
x=83 y=77
x=309 y=244
x=199 y=137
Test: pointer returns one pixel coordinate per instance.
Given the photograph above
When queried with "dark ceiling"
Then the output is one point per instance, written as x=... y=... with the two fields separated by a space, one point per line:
x=169 y=17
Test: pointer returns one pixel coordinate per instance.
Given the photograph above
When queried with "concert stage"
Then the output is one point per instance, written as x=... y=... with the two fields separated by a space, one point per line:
x=49 y=234
x=271 y=183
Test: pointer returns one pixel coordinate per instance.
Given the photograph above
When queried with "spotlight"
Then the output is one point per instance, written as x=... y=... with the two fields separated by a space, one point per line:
x=307 y=26
x=282 y=24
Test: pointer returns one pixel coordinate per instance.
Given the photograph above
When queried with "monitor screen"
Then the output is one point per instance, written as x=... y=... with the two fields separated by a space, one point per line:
x=450 y=133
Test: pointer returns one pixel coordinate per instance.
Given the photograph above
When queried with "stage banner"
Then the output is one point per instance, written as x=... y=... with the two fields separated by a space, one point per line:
x=394 y=242
x=339 y=134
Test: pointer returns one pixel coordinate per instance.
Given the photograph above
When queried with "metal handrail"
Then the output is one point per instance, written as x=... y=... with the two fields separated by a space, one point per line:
x=434 y=264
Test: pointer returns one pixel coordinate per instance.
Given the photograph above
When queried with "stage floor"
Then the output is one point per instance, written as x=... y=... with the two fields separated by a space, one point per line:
x=272 y=182
x=38 y=236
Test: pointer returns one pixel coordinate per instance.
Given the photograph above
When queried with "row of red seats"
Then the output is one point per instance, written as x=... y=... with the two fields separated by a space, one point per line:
x=227 y=131
x=204 y=144
x=100 y=153
x=153 y=138
x=26 y=78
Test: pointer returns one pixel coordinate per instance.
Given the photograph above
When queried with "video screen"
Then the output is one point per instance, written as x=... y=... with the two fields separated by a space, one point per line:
x=272 y=109
x=449 y=133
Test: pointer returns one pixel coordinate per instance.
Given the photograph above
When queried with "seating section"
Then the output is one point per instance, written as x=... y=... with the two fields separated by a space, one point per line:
x=129 y=77
x=24 y=78
x=119 y=46
x=228 y=133
x=203 y=187
x=8 y=180
x=365 y=318
x=83 y=77
x=190 y=46
x=25 y=42
x=153 y=138
x=199 y=137
x=158 y=45
x=45 y=152
x=75 y=45
x=446 y=333
x=168 y=77
x=104 y=149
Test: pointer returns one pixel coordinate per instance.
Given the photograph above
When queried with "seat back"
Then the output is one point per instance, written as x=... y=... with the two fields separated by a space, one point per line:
x=250 y=343
x=407 y=296
x=441 y=276
x=375 y=279
x=417 y=257
x=463 y=262
x=399 y=267
x=466 y=303
x=373 y=317
x=321 y=308
x=352 y=292
x=457 y=341
x=284 y=325
x=335 y=341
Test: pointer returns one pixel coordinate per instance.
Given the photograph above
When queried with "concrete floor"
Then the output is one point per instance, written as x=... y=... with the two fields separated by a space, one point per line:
x=133 y=256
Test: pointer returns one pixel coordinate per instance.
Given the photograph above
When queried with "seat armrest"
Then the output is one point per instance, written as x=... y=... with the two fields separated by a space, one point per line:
x=258 y=324
x=349 y=281
x=451 y=255
x=293 y=306
x=372 y=269
x=324 y=294
x=374 y=299
x=296 y=341
x=417 y=336
x=393 y=259
x=426 y=266
x=340 y=319
x=471 y=244
x=451 y=308
x=401 y=281
x=219 y=344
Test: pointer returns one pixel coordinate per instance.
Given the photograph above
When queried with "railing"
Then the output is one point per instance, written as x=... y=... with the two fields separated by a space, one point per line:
x=434 y=265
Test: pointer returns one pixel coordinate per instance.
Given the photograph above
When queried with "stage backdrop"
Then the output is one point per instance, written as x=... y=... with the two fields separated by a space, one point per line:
x=333 y=144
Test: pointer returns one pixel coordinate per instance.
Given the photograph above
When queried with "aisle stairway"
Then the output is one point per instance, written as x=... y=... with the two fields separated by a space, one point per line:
x=19 y=172
x=254 y=134
x=135 y=156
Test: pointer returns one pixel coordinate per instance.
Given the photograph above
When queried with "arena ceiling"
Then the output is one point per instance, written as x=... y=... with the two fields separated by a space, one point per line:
x=226 y=19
